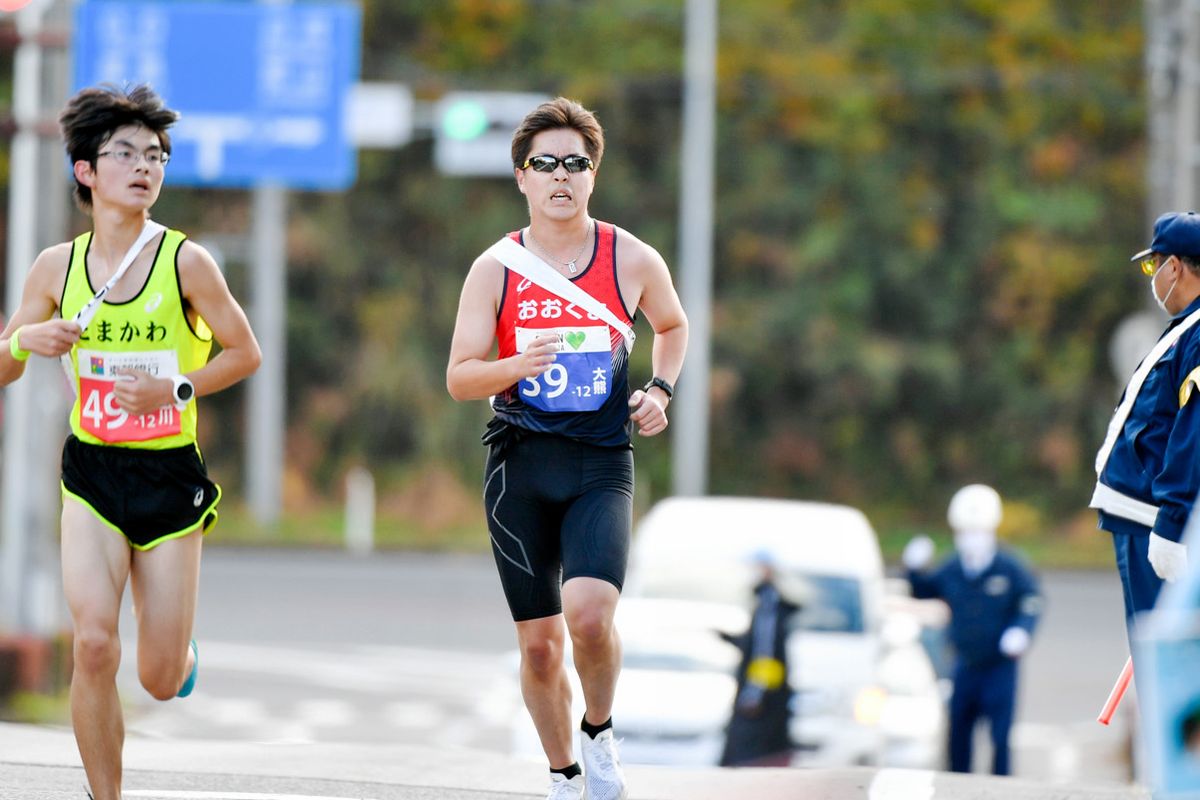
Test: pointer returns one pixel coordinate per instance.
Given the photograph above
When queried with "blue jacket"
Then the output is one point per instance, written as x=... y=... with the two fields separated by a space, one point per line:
x=984 y=606
x=1156 y=457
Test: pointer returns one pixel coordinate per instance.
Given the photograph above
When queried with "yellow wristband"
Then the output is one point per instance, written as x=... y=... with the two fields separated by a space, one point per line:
x=14 y=346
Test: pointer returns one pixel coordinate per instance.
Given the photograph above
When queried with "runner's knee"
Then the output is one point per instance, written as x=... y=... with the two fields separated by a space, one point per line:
x=97 y=651
x=590 y=624
x=161 y=674
x=543 y=656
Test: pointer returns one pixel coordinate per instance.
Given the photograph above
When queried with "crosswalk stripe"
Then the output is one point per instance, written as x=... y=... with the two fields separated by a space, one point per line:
x=165 y=794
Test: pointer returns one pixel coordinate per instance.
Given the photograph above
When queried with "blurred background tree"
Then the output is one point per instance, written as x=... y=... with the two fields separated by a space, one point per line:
x=924 y=212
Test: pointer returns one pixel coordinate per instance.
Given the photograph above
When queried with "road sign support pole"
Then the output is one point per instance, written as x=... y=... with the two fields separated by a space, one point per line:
x=267 y=387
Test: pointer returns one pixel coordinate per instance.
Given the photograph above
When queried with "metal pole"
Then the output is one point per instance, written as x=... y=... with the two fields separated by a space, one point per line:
x=1162 y=84
x=16 y=508
x=46 y=609
x=267 y=389
x=697 y=164
x=1187 y=108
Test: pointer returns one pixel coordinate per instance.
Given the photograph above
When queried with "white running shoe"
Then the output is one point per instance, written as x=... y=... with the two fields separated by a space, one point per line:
x=602 y=767
x=562 y=788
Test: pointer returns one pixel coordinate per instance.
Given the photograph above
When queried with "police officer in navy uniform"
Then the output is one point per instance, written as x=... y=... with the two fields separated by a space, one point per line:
x=994 y=606
x=1147 y=472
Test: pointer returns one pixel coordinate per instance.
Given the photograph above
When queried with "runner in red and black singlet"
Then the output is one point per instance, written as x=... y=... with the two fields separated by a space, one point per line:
x=558 y=484
x=591 y=372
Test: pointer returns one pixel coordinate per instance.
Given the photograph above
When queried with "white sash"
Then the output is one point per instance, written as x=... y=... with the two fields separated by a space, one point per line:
x=1135 y=385
x=84 y=316
x=528 y=265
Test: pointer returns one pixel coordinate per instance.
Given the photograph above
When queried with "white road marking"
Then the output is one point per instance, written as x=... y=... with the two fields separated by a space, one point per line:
x=161 y=794
x=413 y=714
x=1060 y=751
x=902 y=784
x=325 y=713
x=232 y=711
x=364 y=670
x=354 y=693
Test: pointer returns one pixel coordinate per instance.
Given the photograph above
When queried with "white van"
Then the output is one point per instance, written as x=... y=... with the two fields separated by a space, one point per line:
x=827 y=558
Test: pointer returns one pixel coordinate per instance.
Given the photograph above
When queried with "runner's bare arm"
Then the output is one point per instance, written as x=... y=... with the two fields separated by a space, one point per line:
x=649 y=281
x=39 y=300
x=471 y=374
x=204 y=290
x=207 y=295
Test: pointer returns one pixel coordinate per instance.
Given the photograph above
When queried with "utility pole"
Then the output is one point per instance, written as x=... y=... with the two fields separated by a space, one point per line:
x=34 y=406
x=1162 y=84
x=697 y=163
x=1173 y=103
x=1173 y=100
x=1187 y=106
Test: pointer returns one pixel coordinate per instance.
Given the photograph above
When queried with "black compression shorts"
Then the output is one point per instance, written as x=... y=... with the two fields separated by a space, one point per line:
x=148 y=496
x=556 y=509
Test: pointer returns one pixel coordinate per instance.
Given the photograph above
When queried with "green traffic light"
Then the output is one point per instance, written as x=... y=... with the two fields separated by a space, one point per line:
x=464 y=120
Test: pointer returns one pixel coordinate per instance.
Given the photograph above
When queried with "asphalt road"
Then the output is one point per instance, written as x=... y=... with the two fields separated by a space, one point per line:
x=413 y=649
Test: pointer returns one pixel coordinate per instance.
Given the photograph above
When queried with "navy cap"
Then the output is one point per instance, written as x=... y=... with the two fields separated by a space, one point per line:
x=1175 y=234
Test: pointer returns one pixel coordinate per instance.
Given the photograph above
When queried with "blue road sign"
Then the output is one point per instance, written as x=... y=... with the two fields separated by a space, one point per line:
x=261 y=88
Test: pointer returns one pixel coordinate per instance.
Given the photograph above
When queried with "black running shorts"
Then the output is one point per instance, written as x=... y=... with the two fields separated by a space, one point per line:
x=148 y=496
x=556 y=509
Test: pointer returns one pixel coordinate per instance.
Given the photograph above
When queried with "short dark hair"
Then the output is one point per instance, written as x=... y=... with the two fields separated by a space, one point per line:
x=93 y=114
x=558 y=113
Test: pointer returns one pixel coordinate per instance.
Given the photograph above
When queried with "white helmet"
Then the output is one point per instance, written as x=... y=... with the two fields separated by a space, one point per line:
x=975 y=507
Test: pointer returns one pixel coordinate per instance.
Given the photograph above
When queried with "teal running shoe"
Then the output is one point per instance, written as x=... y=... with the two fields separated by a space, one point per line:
x=190 y=683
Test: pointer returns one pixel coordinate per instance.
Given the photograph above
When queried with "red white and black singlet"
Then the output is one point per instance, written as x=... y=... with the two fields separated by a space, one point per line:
x=585 y=394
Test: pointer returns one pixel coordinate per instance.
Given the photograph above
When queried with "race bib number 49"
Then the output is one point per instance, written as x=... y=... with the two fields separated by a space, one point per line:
x=99 y=413
x=579 y=378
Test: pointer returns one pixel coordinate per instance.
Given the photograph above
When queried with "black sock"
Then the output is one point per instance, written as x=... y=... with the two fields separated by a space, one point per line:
x=568 y=772
x=591 y=730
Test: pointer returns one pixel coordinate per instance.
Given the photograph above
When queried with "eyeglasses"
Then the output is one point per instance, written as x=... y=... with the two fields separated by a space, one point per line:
x=1150 y=265
x=547 y=163
x=127 y=157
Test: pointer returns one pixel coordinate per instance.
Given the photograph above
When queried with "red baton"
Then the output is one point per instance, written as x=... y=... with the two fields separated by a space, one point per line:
x=1118 y=691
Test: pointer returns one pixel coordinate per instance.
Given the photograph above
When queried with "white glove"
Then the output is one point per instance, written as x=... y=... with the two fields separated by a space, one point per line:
x=1168 y=558
x=1014 y=642
x=917 y=553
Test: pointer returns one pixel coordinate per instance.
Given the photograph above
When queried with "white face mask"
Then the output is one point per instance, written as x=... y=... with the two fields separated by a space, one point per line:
x=976 y=548
x=1162 y=303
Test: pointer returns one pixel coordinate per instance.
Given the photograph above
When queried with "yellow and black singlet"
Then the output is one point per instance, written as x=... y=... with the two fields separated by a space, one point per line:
x=150 y=332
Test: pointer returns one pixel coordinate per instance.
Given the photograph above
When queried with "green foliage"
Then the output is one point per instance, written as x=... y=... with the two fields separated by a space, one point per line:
x=923 y=215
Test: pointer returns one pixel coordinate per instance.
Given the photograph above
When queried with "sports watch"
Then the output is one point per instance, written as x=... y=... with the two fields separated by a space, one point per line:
x=667 y=388
x=183 y=390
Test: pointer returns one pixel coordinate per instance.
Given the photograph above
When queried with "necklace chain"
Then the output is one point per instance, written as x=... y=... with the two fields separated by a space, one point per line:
x=570 y=265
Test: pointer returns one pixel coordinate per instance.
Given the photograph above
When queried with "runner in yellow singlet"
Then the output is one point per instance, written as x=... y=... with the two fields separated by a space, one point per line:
x=136 y=495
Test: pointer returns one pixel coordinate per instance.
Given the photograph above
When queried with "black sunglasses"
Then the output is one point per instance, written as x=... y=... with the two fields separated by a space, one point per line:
x=545 y=163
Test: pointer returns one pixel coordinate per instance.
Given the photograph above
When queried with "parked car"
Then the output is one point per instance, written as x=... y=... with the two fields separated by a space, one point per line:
x=861 y=697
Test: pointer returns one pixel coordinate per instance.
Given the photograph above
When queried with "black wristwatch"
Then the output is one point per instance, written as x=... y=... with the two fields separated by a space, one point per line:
x=667 y=388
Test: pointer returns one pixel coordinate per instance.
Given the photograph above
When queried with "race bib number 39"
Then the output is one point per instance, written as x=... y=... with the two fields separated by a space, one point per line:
x=579 y=378
x=99 y=413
